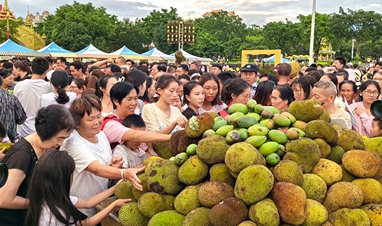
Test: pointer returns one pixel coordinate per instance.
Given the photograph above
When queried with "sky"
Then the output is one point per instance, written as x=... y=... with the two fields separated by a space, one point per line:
x=257 y=12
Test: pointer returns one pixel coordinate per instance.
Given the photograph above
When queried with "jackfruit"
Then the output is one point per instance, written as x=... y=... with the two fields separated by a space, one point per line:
x=166 y=218
x=371 y=189
x=162 y=177
x=220 y=172
x=288 y=171
x=179 y=142
x=264 y=212
x=305 y=152
x=123 y=190
x=241 y=155
x=362 y=163
x=336 y=154
x=230 y=212
x=314 y=187
x=324 y=147
x=168 y=202
x=129 y=215
x=350 y=140
x=163 y=149
x=187 y=199
x=306 y=110
x=290 y=200
x=321 y=129
x=258 y=175
x=137 y=193
x=192 y=171
x=328 y=170
x=198 y=216
x=150 y=204
x=343 y=195
x=212 y=149
x=372 y=144
x=316 y=214
x=213 y=192
x=197 y=125
x=374 y=212
x=346 y=216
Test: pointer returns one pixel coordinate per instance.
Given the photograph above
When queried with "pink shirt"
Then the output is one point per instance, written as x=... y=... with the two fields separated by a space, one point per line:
x=114 y=131
x=364 y=120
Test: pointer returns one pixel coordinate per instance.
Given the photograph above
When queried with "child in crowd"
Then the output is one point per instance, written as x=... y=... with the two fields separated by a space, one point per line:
x=178 y=103
x=376 y=127
x=50 y=204
x=131 y=151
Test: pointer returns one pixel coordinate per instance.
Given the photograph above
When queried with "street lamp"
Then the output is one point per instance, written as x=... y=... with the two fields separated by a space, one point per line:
x=311 y=60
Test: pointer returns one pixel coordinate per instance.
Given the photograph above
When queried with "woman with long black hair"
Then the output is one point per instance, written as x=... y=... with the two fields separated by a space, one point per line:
x=60 y=81
x=50 y=204
x=54 y=124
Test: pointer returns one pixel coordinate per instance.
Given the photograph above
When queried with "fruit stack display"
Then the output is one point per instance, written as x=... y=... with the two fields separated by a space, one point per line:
x=259 y=166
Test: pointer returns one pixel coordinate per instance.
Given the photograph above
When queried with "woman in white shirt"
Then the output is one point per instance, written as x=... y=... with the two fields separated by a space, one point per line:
x=51 y=204
x=161 y=116
x=59 y=80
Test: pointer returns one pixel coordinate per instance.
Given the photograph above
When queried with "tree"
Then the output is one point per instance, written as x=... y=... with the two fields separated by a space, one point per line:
x=79 y=23
x=220 y=34
x=363 y=26
x=128 y=33
x=285 y=36
x=13 y=26
x=322 y=33
x=154 y=28
x=254 y=39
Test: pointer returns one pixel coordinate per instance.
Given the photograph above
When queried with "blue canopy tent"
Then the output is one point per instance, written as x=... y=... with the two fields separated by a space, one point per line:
x=272 y=60
x=127 y=53
x=155 y=54
x=56 y=51
x=10 y=48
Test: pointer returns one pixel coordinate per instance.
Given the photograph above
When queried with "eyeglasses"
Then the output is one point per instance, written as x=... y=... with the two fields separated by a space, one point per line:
x=73 y=87
x=377 y=79
x=369 y=93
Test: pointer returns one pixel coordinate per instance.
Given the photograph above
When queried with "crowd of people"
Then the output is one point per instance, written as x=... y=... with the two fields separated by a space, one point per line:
x=78 y=126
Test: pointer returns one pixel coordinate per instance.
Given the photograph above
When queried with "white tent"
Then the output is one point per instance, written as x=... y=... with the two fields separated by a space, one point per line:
x=127 y=53
x=92 y=52
x=154 y=52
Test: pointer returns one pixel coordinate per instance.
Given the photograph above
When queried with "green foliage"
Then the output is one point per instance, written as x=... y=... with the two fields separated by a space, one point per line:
x=76 y=26
x=13 y=25
x=219 y=36
x=322 y=31
x=363 y=26
x=285 y=36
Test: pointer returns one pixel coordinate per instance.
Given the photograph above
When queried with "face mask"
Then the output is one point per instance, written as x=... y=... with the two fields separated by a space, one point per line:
x=202 y=69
